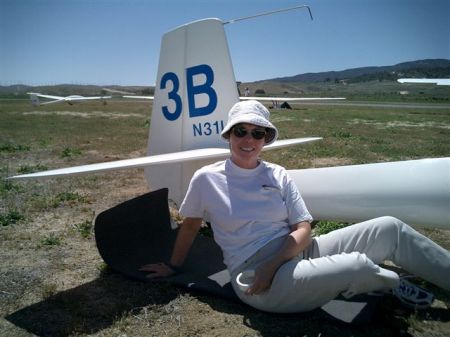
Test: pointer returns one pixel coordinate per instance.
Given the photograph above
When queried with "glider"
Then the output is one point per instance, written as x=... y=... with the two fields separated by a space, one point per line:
x=437 y=81
x=196 y=87
x=139 y=97
x=34 y=96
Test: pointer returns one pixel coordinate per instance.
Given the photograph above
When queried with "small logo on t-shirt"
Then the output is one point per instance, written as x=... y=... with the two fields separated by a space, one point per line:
x=270 y=188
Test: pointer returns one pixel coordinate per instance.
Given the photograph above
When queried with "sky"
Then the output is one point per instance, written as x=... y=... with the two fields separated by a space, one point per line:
x=117 y=42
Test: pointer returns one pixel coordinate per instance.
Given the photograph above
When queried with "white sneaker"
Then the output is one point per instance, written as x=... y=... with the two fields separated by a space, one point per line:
x=412 y=295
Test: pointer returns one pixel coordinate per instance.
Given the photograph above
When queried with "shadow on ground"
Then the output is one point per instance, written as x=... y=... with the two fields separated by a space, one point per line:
x=386 y=318
x=97 y=305
x=90 y=307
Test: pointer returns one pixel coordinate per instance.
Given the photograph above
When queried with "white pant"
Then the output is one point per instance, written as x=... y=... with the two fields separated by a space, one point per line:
x=345 y=261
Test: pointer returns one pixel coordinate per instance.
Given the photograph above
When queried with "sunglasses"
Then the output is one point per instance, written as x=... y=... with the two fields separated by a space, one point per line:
x=240 y=131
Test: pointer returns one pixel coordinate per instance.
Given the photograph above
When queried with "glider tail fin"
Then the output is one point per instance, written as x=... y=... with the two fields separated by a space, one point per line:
x=34 y=99
x=188 y=111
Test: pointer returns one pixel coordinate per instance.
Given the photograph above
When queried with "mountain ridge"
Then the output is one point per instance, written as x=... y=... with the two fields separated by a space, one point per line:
x=430 y=68
x=420 y=68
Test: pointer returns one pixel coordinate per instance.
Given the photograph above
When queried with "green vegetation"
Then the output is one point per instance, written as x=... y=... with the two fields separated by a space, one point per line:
x=368 y=91
x=361 y=134
x=51 y=240
x=85 y=228
x=25 y=169
x=11 y=148
x=7 y=186
x=324 y=227
x=10 y=218
x=68 y=198
x=432 y=72
x=69 y=152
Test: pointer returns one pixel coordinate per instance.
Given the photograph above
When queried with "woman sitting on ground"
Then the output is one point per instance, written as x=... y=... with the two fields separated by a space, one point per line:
x=262 y=225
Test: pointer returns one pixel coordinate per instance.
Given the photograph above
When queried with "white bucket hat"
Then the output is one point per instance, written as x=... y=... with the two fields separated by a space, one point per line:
x=251 y=112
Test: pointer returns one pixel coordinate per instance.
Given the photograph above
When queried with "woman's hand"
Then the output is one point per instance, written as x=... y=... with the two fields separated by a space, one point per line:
x=296 y=241
x=186 y=235
x=157 y=270
x=263 y=278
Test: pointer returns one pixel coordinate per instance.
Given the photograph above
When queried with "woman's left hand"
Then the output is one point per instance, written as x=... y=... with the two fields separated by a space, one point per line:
x=263 y=279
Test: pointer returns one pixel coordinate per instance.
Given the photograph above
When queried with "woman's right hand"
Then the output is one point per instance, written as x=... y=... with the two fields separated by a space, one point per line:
x=157 y=270
x=186 y=235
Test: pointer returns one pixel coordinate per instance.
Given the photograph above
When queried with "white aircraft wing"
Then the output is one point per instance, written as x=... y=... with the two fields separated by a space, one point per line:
x=60 y=98
x=139 y=97
x=57 y=99
x=35 y=99
x=288 y=142
x=174 y=157
x=290 y=99
x=51 y=102
x=84 y=98
x=438 y=81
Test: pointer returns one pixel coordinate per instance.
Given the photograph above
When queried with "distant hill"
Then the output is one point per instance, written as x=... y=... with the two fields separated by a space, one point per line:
x=432 y=68
x=368 y=80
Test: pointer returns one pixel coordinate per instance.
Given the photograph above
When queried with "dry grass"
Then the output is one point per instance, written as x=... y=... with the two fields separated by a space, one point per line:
x=54 y=283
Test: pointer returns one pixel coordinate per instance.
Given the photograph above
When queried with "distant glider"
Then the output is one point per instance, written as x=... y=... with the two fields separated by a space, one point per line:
x=34 y=96
x=437 y=81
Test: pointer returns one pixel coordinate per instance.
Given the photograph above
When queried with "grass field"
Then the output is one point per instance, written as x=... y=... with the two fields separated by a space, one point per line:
x=52 y=279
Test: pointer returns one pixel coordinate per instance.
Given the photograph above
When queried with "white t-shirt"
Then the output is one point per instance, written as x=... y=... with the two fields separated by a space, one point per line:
x=247 y=208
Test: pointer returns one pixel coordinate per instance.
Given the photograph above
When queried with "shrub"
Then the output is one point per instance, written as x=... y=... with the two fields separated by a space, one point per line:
x=11 y=148
x=51 y=240
x=69 y=198
x=324 y=227
x=69 y=152
x=11 y=218
x=25 y=169
x=84 y=228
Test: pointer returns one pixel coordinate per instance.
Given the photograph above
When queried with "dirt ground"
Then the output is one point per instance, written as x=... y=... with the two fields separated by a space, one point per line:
x=54 y=283
x=66 y=290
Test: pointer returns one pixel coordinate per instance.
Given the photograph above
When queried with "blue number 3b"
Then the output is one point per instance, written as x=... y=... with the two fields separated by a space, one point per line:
x=192 y=90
